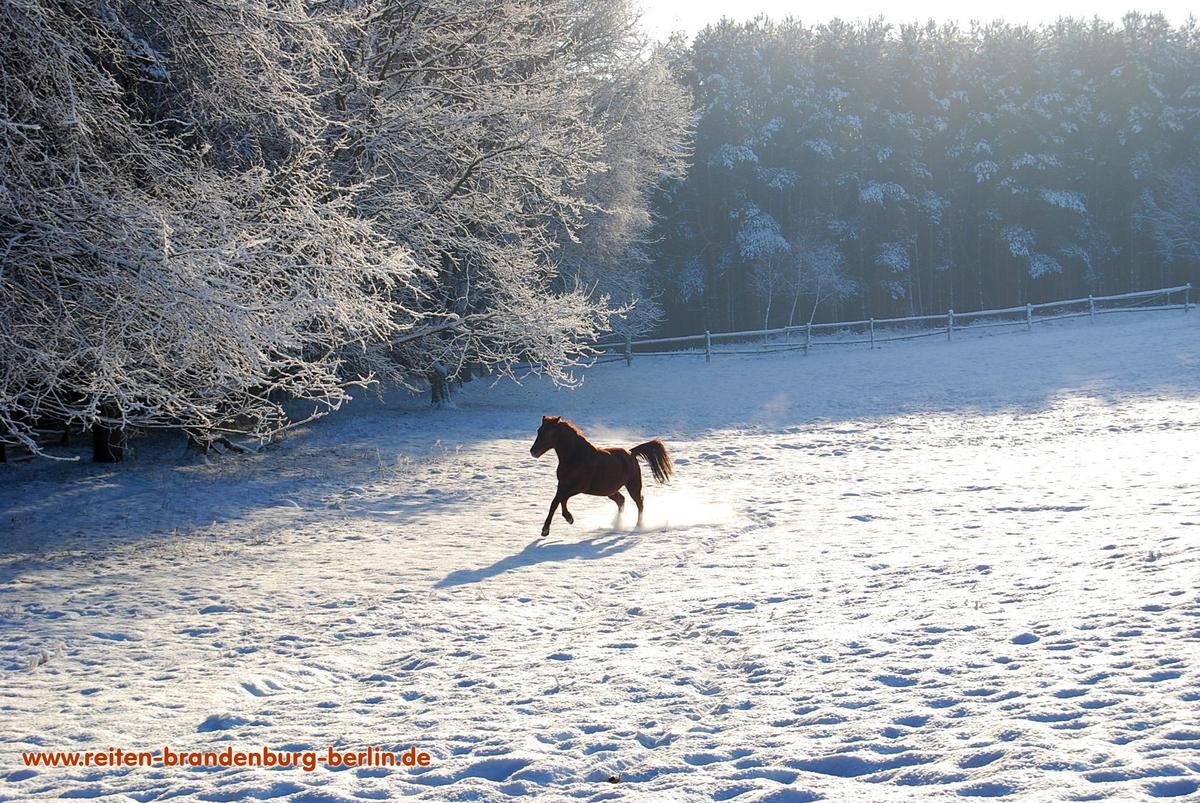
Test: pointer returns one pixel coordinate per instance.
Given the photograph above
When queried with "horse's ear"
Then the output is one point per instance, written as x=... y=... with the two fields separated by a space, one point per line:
x=553 y=419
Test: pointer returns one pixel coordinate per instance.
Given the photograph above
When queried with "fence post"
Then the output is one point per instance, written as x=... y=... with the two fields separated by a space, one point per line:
x=950 y=325
x=1028 y=317
x=872 y=333
x=1091 y=308
x=707 y=346
x=1187 y=292
x=628 y=350
x=807 y=337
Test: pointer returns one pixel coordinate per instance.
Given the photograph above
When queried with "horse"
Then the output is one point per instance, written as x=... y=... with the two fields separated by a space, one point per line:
x=585 y=469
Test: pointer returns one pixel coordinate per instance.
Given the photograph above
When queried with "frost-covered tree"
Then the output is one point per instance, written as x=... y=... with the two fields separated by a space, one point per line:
x=510 y=147
x=173 y=254
x=1170 y=208
x=761 y=244
x=219 y=214
x=644 y=111
x=818 y=272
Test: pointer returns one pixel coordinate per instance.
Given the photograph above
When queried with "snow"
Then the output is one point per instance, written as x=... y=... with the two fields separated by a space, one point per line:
x=730 y=156
x=893 y=256
x=1043 y=265
x=821 y=147
x=1020 y=240
x=1065 y=199
x=877 y=193
x=759 y=236
x=926 y=571
x=1037 y=161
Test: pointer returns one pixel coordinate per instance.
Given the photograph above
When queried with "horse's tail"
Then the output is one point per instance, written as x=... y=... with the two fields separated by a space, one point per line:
x=655 y=455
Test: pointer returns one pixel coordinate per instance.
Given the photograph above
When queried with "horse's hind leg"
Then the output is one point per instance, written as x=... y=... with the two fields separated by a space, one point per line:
x=620 y=500
x=634 y=486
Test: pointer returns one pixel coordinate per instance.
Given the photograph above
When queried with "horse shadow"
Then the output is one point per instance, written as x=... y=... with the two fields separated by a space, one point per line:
x=599 y=546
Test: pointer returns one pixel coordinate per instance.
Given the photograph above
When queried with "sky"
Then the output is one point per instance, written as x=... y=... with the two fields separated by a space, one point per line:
x=661 y=17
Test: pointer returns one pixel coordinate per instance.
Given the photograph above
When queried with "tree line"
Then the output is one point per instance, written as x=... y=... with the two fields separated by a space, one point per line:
x=858 y=170
x=220 y=216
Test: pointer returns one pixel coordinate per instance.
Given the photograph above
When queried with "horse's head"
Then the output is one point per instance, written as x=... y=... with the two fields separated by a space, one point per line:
x=546 y=435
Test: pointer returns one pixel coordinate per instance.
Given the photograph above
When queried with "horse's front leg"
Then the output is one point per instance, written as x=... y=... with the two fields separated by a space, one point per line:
x=550 y=516
x=566 y=513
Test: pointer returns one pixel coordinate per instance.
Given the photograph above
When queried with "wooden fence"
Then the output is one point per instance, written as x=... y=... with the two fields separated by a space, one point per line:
x=873 y=331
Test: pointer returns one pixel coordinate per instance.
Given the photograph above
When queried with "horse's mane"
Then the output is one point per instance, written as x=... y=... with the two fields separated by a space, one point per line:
x=571 y=430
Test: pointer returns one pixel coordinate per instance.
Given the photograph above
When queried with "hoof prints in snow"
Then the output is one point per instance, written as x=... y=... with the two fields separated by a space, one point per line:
x=987 y=789
x=1173 y=788
x=493 y=769
x=218 y=722
x=852 y=766
x=896 y=681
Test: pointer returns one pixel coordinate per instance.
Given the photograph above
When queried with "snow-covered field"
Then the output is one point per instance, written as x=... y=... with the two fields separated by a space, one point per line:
x=927 y=571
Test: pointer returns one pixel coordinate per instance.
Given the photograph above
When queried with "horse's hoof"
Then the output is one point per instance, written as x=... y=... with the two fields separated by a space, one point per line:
x=544 y=533
x=570 y=519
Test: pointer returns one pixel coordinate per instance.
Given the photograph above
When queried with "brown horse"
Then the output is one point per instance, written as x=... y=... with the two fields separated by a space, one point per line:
x=585 y=469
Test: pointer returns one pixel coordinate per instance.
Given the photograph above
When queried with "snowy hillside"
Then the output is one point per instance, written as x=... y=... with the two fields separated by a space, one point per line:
x=927 y=571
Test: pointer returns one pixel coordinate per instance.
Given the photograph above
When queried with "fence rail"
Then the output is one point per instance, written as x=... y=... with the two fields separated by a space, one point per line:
x=800 y=338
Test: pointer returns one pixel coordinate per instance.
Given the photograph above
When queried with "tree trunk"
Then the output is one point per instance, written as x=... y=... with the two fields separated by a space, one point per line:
x=767 y=313
x=795 y=303
x=108 y=445
x=439 y=388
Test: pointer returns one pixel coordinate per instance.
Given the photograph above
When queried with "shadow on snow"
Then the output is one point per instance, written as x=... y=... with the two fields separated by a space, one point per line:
x=601 y=545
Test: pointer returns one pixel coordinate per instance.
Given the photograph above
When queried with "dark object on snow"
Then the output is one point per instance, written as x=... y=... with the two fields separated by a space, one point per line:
x=439 y=387
x=614 y=779
x=108 y=445
x=585 y=469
